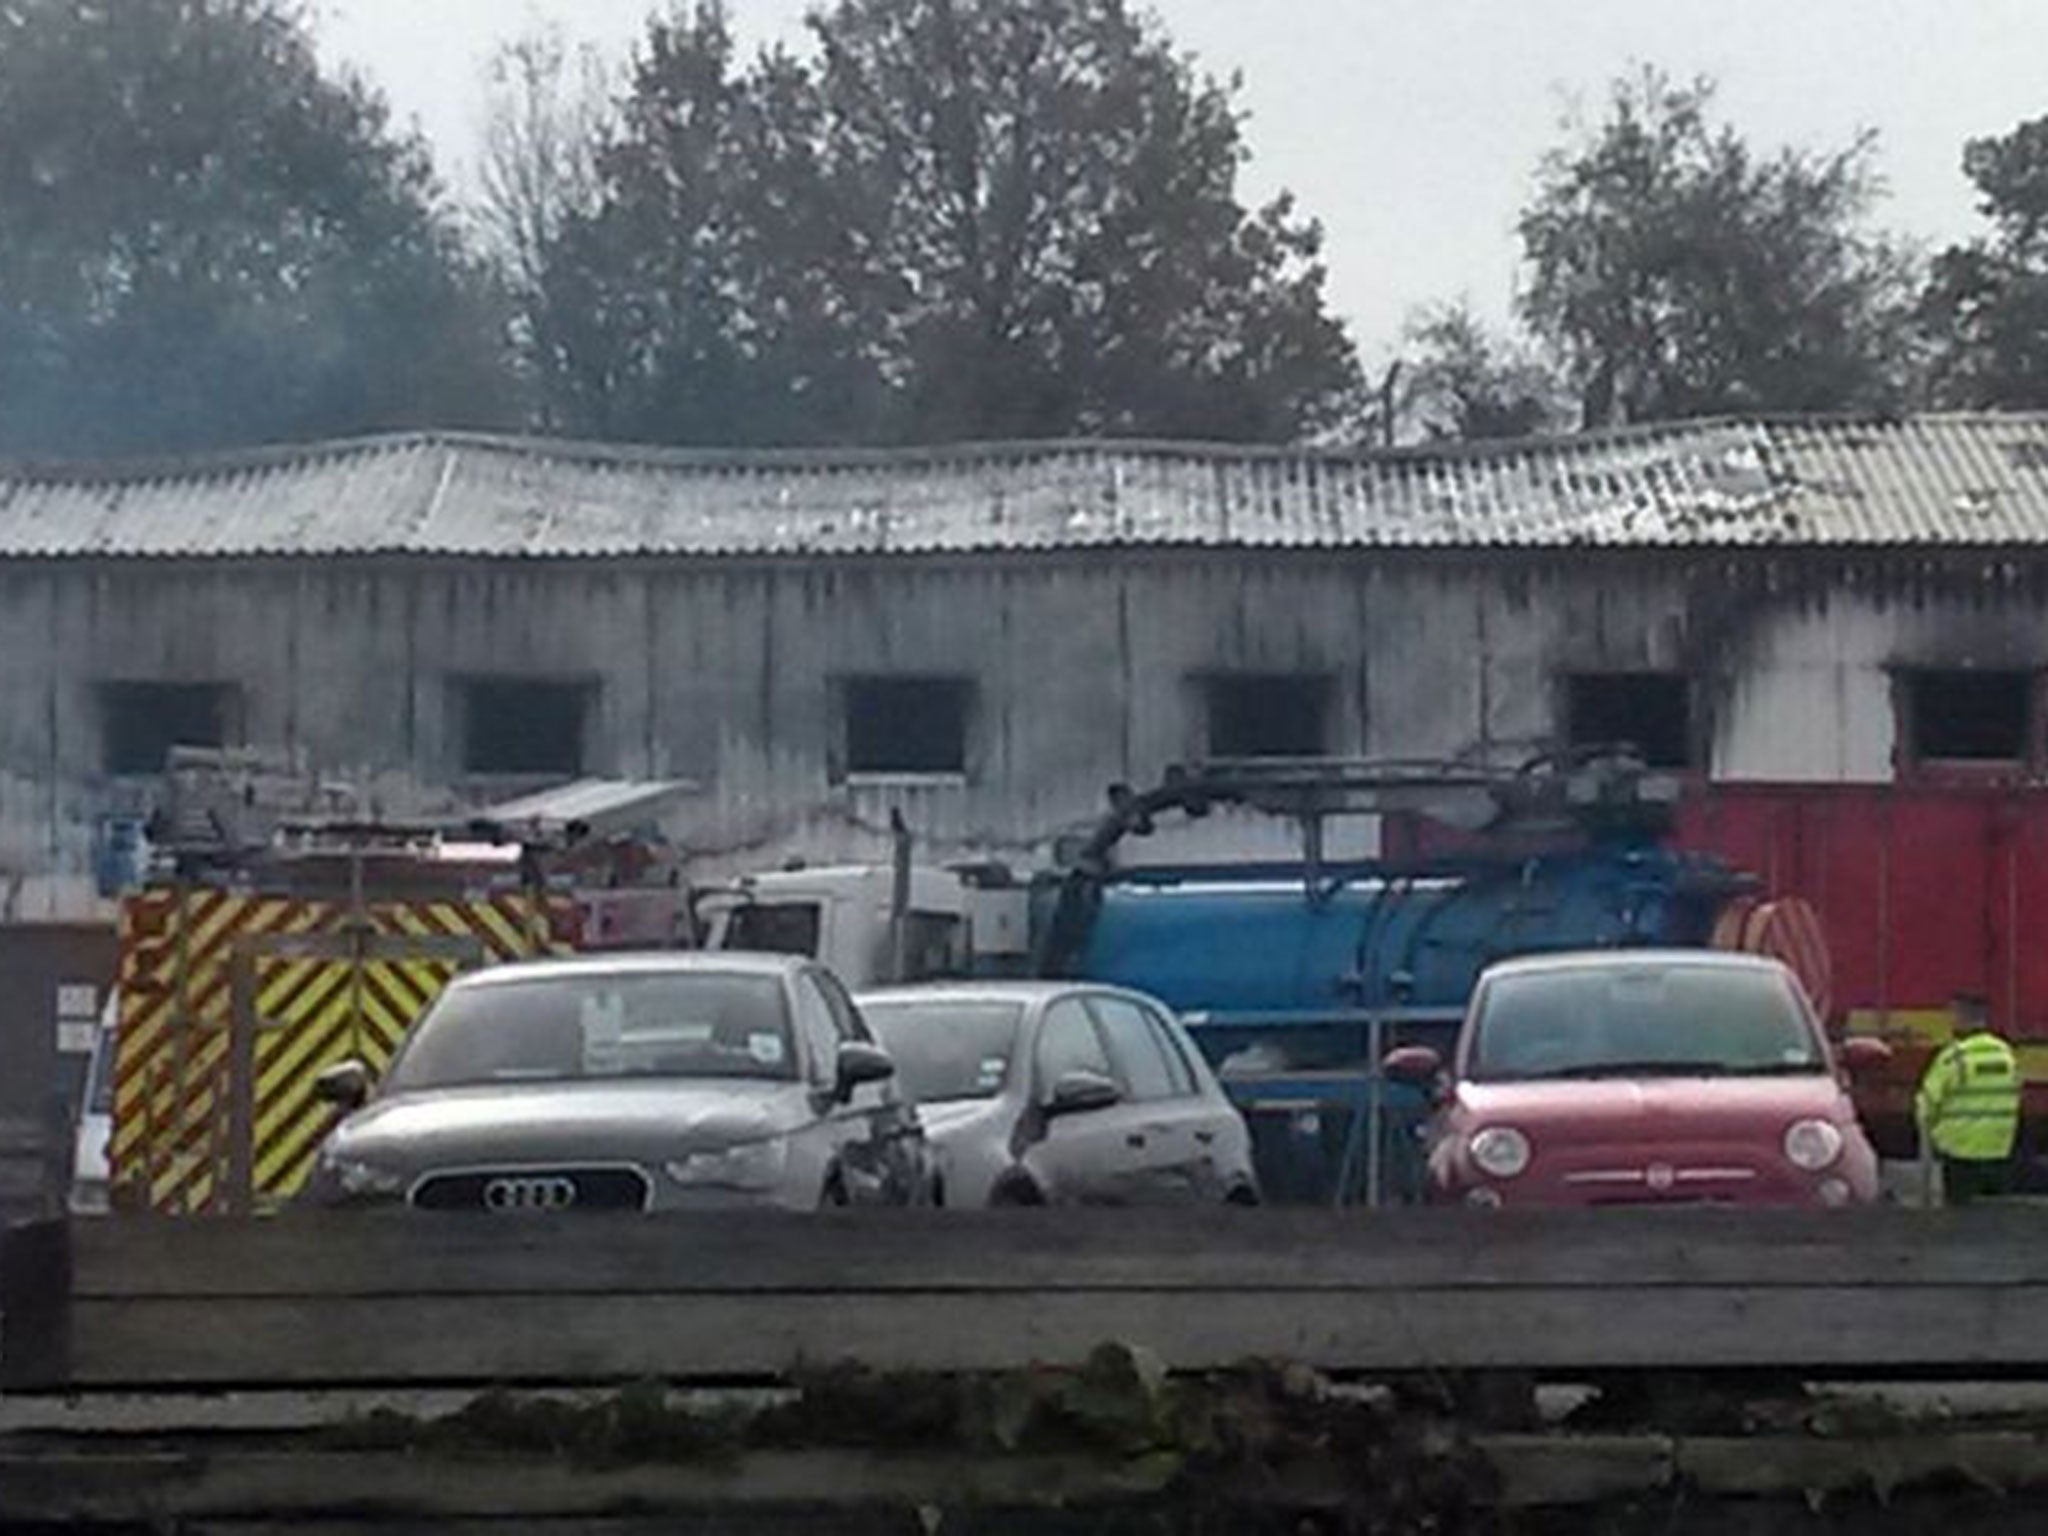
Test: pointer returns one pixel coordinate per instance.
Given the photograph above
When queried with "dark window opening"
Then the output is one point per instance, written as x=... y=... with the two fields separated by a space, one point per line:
x=1968 y=717
x=1649 y=711
x=141 y=722
x=907 y=724
x=1268 y=715
x=524 y=726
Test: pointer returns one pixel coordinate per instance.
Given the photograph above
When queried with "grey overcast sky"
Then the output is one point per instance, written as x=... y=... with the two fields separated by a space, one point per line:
x=1410 y=127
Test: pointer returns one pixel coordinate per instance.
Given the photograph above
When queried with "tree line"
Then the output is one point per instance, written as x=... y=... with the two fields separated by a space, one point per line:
x=942 y=220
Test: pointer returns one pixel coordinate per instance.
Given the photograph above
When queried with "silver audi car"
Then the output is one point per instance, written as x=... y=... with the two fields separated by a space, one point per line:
x=1061 y=1092
x=628 y=1082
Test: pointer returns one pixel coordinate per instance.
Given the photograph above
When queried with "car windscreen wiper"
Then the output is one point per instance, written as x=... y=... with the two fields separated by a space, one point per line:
x=1634 y=1069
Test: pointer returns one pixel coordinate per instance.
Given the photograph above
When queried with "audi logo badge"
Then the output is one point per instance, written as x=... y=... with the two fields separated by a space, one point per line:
x=530 y=1194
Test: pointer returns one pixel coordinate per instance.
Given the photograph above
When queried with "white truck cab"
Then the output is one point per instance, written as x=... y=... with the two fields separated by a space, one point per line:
x=846 y=917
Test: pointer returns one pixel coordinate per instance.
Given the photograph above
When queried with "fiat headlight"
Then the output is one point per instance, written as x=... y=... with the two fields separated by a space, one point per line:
x=1499 y=1151
x=750 y=1165
x=1812 y=1145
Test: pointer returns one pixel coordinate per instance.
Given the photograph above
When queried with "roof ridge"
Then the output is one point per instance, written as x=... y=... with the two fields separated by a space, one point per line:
x=214 y=462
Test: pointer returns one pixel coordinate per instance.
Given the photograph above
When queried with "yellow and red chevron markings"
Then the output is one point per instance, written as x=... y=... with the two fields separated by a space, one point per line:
x=171 y=1147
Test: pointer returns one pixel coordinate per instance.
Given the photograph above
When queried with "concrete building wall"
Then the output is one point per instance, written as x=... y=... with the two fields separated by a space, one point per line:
x=1809 y=682
x=1087 y=670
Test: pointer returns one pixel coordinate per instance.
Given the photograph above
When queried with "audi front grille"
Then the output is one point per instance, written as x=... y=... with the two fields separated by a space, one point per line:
x=516 y=1191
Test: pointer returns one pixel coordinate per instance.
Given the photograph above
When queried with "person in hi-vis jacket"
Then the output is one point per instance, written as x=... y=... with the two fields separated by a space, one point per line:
x=1968 y=1106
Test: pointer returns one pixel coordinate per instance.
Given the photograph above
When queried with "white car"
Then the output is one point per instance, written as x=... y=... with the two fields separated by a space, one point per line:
x=1062 y=1093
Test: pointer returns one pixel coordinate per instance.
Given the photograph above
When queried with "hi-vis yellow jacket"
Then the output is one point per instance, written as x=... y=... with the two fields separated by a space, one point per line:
x=1968 y=1106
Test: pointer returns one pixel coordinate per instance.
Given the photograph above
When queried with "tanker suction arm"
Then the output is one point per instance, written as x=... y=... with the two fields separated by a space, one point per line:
x=1604 y=792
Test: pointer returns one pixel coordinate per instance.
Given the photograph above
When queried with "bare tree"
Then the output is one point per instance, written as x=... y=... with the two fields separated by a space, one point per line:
x=550 y=112
x=1465 y=381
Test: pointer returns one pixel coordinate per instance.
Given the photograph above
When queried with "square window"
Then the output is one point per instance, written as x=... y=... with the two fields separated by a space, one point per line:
x=907 y=725
x=141 y=722
x=1268 y=714
x=1956 y=716
x=1649 y=711
x=529 y=727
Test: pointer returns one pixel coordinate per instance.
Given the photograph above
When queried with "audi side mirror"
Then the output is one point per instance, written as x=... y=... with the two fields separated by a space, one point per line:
x=859 y=1062
x=1861 y=1053
x=1078 y=1092
x=346 y=1085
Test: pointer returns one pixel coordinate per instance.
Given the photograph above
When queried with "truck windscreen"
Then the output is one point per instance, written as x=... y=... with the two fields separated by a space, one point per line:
x=774 y=927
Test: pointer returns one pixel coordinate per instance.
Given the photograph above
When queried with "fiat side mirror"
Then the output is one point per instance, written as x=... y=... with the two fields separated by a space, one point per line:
x=1416 y=1064
x=1861 y=1053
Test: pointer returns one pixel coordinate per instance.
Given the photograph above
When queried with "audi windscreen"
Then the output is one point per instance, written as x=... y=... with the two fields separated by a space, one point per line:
x=573 y=1028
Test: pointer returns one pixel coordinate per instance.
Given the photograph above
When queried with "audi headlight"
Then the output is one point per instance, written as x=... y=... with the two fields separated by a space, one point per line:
x=338 y=1179
x=1812 y=1144
x=750 y=1165
x=1499 y=1150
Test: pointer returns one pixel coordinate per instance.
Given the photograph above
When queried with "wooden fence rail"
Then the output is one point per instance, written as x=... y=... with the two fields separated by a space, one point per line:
x=162 y=1304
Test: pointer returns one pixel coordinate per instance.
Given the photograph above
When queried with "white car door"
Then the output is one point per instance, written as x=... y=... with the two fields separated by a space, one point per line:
x=1159 y=1091
x=1089 y=1156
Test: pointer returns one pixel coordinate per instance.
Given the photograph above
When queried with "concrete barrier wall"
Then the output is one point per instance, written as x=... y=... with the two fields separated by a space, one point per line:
x=131 y=1302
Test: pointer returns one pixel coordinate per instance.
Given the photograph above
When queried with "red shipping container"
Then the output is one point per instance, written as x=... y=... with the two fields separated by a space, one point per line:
x=1923 y=891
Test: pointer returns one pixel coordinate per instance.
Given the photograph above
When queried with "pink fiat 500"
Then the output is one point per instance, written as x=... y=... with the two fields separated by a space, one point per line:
x=1644 y=1077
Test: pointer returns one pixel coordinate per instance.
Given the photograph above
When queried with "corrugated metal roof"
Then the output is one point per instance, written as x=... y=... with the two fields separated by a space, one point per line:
x=1938 y=479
